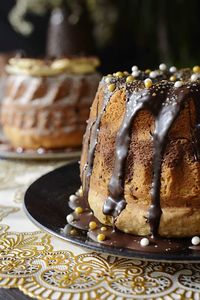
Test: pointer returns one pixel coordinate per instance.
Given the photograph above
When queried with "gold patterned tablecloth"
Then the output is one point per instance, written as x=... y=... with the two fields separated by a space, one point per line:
x=45 y=267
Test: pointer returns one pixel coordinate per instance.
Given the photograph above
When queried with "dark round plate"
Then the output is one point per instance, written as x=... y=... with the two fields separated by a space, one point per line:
x=46 y=205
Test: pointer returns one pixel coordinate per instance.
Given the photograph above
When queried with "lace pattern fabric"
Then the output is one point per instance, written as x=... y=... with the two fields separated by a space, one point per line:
x=45 y=267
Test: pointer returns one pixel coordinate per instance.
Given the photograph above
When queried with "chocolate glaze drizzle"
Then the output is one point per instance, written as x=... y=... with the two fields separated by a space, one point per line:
x=164 y=100
x=93 y=129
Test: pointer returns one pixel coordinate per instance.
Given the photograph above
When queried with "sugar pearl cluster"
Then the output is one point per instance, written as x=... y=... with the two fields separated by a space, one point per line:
x=150 y=76
x=196 y=73
x=100 y=237
x=136 y=74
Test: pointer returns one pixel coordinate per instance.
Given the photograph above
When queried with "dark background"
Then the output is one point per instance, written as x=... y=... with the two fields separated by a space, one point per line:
x=125 y=32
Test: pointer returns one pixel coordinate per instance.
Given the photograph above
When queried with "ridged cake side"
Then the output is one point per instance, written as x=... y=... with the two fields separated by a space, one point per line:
x=47 y=112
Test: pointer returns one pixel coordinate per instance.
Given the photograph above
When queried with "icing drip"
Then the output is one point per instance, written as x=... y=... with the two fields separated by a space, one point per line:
x=93 y=137
x=196 y=138
x=164 y=119
x=116 y=202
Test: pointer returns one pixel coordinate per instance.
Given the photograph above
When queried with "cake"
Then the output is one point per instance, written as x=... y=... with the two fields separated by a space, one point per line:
x=47 y=102
x=140 y=167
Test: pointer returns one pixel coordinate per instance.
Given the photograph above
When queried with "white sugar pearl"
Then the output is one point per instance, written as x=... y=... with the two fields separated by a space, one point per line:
x=172 y=69
x=69 y=218
x=144 y=242
x=73 y=198
x=135 y=73
x=194 y=77
x=163 y=67
x=178 y=84
x=153 y=74
x=195 y=240
x=79 y=192
x=134 y=68
x=108 y=79
x=65 y=230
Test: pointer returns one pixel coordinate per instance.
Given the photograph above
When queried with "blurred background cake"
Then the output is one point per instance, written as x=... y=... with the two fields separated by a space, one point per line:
x=46 y=103
x=46 y=100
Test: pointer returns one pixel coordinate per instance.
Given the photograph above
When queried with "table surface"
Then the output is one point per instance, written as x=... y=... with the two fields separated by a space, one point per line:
x=41 y=264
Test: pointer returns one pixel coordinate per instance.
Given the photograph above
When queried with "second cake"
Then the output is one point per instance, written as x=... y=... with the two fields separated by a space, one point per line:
x=47 y=103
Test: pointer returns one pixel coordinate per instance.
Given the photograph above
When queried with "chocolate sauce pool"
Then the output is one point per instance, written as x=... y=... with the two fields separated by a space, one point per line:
x=118 y=239
x=164 y=101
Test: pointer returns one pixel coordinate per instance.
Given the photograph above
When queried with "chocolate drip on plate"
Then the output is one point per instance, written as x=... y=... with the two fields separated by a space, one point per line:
x=118 y=239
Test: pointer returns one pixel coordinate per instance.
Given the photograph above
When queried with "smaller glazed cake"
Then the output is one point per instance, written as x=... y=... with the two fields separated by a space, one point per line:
x=46 y=103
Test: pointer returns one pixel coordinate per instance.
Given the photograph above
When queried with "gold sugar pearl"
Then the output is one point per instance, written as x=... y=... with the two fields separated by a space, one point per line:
x=154 y=94
x=78 y=210
x=73 y=232
x=147 y=71
x=126 y=73
x=119 y=74
x=172 y=78
x=148 y=83
x=196 y=69
x=92 y=225
x=129 y=79
x=103 y=228
x=111 y=87
x=101 y=237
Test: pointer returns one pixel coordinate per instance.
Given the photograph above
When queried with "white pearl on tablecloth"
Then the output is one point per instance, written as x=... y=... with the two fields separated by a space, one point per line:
x=144 y=242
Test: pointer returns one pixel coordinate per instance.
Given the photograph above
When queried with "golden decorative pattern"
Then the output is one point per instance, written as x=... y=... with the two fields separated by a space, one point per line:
x=31 y=262
x=28 y=261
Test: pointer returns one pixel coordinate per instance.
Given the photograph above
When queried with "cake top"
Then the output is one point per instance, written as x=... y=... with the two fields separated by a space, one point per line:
x=39 y=67
x=146 y=79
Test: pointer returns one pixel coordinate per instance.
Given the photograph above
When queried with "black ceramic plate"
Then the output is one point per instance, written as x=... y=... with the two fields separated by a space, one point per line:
x=46 y=204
